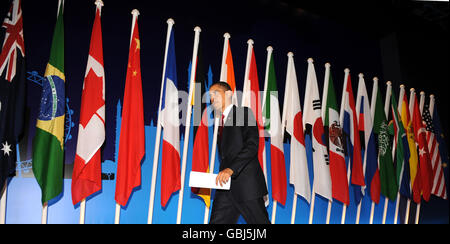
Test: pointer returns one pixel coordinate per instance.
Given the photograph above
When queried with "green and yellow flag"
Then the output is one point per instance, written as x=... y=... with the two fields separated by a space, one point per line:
x=48 y=142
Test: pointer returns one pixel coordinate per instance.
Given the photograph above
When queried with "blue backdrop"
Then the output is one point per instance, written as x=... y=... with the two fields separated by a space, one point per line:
x=24 y=205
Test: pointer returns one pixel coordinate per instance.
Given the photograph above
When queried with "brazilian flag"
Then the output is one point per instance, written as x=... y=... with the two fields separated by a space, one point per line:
x=48 y=143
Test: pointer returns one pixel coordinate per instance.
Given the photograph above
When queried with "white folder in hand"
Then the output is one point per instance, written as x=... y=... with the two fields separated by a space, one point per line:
x=206 y=180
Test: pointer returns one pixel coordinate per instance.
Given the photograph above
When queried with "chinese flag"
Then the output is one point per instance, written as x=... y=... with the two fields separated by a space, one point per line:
x=132 y=133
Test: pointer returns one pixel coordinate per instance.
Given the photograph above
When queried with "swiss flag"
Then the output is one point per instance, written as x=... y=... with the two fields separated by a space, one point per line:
x=132 y=132
x=86 y=177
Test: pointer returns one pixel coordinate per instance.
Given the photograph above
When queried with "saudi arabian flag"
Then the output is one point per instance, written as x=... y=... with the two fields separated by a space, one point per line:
x=388 y=182
x=48 y=143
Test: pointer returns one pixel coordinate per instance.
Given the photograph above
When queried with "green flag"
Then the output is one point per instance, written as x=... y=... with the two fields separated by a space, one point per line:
x=402 y=149
x=48 y=142
x=272 y=113
x=270 y=91
x=388 y=182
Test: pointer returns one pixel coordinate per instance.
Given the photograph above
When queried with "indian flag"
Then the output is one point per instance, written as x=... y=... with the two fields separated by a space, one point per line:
x=48 y=143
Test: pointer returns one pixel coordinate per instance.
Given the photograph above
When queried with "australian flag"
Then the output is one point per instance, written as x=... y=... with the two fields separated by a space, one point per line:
x=12 y=89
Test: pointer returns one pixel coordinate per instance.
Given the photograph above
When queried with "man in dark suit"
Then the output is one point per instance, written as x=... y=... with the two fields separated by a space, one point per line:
x=238 y=142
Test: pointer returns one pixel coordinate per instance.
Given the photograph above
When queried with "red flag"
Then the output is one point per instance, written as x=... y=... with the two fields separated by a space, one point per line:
x=200 y=156
x=200 y=153
x=86 y=177
x=424 y=155
x=252 y=99
x=350 y=126
x=132 y=132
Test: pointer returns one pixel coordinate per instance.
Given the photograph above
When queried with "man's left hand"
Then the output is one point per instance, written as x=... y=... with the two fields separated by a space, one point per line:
x=224 y=176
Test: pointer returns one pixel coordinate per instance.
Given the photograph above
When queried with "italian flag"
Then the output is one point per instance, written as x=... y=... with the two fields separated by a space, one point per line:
x=272 y=121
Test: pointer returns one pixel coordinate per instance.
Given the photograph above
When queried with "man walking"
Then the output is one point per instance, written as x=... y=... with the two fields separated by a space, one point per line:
x=237 y=141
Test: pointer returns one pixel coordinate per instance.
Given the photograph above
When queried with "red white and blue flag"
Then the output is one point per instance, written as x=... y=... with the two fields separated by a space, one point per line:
x=350 y=127
x=170 y=169
x=365 y=125
x=12 y=89
x=438 y=187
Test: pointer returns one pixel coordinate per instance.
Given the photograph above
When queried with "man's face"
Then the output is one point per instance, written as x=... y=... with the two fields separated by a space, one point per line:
x=217 y=95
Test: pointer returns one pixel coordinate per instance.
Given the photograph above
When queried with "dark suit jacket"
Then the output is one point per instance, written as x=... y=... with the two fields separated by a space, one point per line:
x=238 y=150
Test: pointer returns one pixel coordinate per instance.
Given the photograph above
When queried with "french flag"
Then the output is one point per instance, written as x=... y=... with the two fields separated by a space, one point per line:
x=350 y=127
x=170 y=169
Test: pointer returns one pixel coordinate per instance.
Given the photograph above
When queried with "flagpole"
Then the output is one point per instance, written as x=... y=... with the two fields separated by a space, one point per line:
x=344 y=208
x=397 y=205
x=372 y=113
x=117 y=214
x=341 y=118
x=223 y=70
x=170 y=23
x=187 y=130
x=412 y=93
x=246 y=96
x=135 y=14
x=99 y=4
x=311 y=209
x=394 y=147
x=386 y=111
x=283 y=123
x=3 y=203
x=325 y=90
x=324 y=105
x=266 y=79
x=431 y=105
x=431 y=110
x=44 y=213
x=408 y=201
x=358 y=209
x=294 y=208
x=212 y=160
x=82 y=210
x=421 y=104
x=223 y=74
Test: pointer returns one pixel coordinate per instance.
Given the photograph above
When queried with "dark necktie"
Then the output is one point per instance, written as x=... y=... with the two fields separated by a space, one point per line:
x=221 y=127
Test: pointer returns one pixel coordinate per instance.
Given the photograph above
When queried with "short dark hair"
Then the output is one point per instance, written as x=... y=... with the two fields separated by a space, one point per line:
x=223 y=85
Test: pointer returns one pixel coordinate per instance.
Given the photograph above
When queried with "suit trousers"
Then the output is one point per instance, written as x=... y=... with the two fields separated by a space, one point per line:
x=226 y=210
